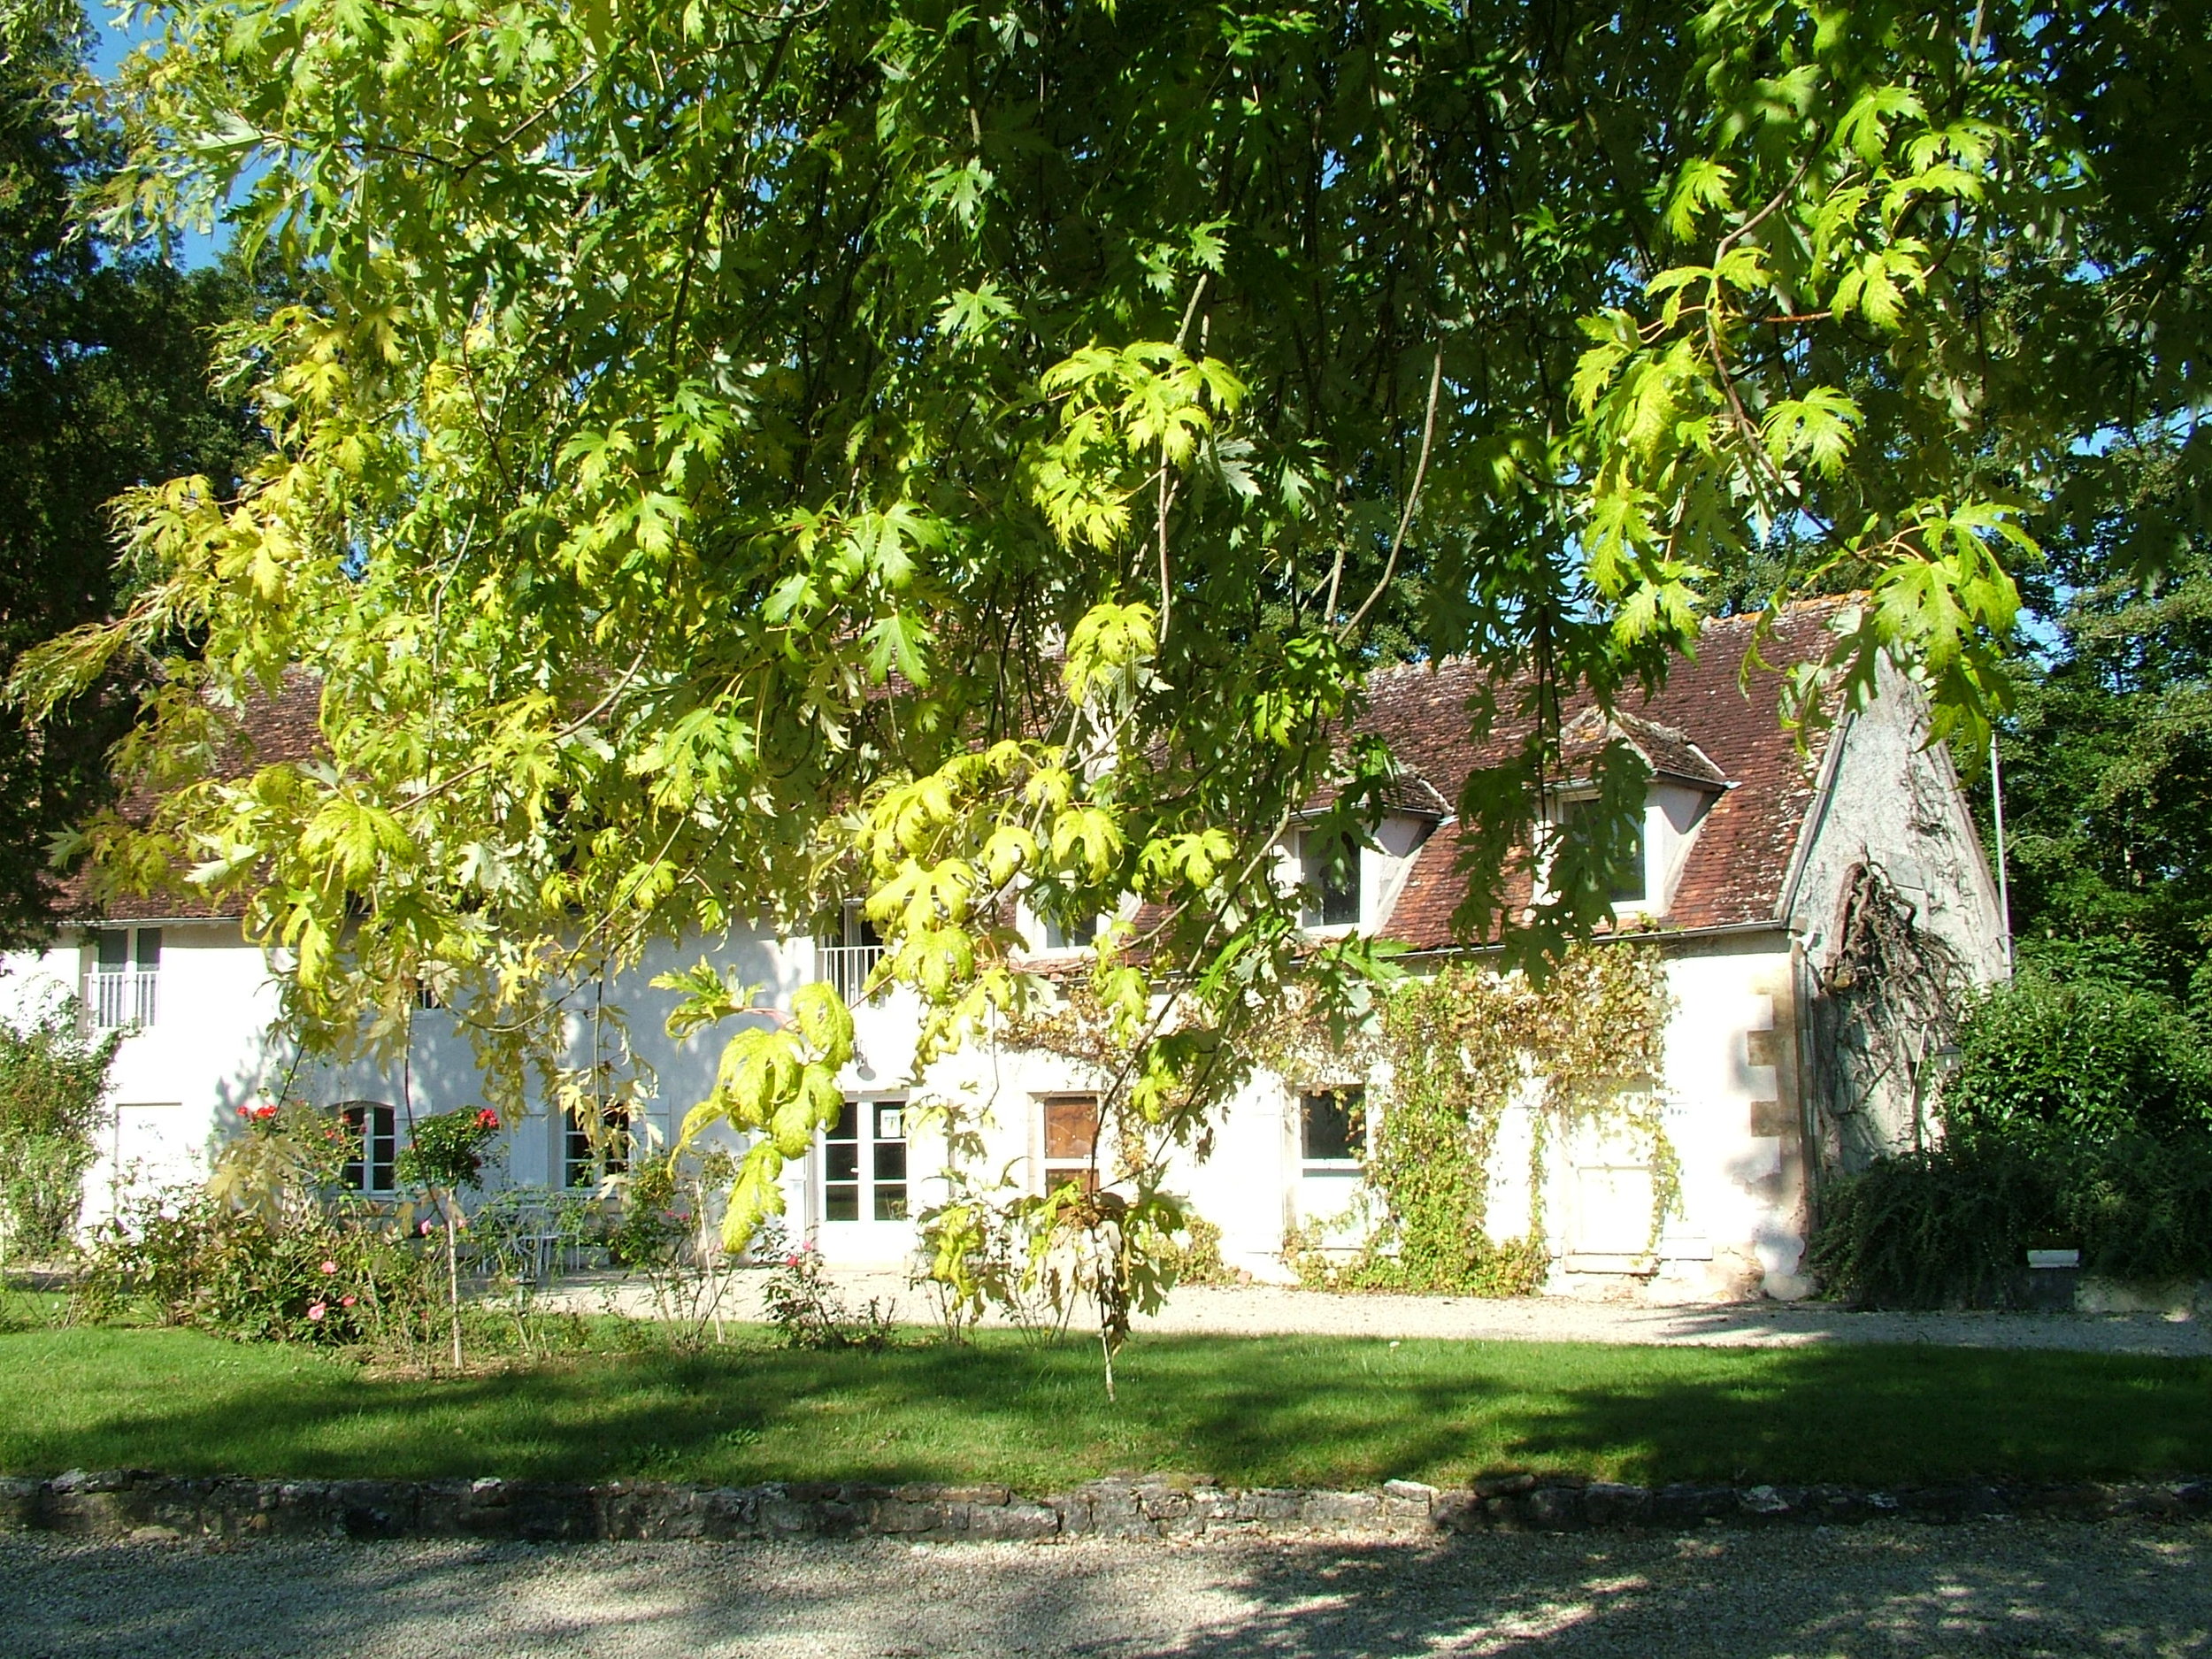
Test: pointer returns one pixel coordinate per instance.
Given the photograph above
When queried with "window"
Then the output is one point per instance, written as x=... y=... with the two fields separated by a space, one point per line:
x=1333 y=1125
x=371 y=1146
x=1059 y=936
x=864 y=1163
x=1579 y=821
x=125 y=977
x=1071 y=1142
x=1329 y=872
x=847 y=951
x=584 y=1165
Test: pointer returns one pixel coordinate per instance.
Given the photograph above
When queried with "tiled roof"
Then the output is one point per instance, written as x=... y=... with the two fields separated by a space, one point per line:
x=1666 y=750
x=283 y=727
x=1700 y=728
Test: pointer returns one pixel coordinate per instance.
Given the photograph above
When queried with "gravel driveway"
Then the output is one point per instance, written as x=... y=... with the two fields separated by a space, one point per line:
x=1275 y=1311
x=1996 y=1589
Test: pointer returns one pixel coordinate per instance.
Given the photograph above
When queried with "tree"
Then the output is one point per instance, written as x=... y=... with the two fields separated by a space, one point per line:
x=2108 y=775
x=104 y=386
x=741 y=457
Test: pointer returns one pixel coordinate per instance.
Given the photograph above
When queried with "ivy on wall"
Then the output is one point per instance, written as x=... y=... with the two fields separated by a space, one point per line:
x=1456 y=1050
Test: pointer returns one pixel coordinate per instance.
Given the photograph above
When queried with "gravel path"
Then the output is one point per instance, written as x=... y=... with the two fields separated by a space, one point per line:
x=1987 y=1589
x=1274 y=1310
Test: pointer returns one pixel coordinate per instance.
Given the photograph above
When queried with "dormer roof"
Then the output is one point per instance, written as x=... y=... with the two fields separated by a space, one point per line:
x=1703 y=728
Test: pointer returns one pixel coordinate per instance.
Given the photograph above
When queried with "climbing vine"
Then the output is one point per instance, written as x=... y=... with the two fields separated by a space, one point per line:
x=1456 y=1050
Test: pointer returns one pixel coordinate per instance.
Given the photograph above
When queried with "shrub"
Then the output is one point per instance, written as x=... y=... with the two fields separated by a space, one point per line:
x=1194 y=1258
x=53 y=1089
x=1950 y=1228
x=1932 y=1229
x=2142 y=1207
x=446 y=1150
x=190 y=1258
x=2085 y=1061
x=804 y=1307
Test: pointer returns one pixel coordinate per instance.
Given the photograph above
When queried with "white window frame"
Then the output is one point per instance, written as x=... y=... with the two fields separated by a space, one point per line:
x=867 y=1181
x=363 y=1145
x=1555 y=819
x=1353 y=1166
x=1312 y=915
x=128 y=995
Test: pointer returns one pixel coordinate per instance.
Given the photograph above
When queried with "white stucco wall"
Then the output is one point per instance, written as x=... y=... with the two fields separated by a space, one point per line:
x=1898 y=804
x=176 y=1085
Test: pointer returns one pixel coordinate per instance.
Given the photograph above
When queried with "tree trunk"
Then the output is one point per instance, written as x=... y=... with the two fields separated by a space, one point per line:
x=453 y=1274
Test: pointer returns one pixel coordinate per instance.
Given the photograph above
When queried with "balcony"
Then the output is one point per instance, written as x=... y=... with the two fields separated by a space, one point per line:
x=847 y=968
x=124 y=1001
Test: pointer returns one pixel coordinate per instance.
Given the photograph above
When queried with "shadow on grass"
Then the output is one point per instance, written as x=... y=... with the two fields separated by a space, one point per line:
x=1732 y=1595
x=1255 y=1411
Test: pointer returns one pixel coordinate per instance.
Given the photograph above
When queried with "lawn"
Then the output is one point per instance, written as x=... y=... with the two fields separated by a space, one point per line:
x=1255 y=1411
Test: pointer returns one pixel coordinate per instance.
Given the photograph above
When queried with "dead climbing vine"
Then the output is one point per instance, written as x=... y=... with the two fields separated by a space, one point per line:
x=1892 y=996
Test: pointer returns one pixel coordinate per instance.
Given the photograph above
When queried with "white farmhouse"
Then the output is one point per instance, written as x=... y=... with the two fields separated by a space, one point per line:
x=1820 y=911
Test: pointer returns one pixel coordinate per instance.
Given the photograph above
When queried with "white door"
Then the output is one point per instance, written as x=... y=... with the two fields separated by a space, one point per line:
x=861 y=1201
x=152 y=1147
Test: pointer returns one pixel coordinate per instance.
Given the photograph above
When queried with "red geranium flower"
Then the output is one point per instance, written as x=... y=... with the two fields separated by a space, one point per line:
x=488 y=1118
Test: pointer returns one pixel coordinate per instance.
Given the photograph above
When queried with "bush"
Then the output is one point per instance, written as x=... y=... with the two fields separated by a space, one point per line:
x=190 y=1258
x=1933 y=1229
x=446 y=1150
x=53 y=1090
x=2080 y=1062
x=1951 y=1228
x=803 y=1305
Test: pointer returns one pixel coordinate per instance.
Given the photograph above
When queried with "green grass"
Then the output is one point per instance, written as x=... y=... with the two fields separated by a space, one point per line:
x=1271 y=1412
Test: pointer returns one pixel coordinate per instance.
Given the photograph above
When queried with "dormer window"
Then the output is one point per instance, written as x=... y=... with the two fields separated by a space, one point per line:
x=1629 y=880
x=1328 y=877
x=1059 y=935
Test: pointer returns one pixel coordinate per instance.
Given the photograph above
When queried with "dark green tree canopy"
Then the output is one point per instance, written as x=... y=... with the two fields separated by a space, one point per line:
x=104 y=387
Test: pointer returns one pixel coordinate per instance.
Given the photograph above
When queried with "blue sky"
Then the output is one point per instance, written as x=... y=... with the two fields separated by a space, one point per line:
x=112 y=41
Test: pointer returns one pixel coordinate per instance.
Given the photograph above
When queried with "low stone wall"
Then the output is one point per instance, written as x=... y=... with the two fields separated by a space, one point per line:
x=138 y=1505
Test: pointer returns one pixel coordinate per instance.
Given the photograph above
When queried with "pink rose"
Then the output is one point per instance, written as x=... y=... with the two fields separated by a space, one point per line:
x=347 y=1302
x=330 y=1267
x=317 y=1312
x=426 y=1226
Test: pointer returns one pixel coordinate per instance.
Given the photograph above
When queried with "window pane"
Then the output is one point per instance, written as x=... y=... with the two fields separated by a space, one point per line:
x=353 y=1174
x=1071 y=1126
x=149 y=949
x=841 y=1202
x=1627 y=884
x=1060 y=936
x=848 y=1124
x=840 y=1160
x=1333 y=1125
x=114 y=946
x=891 y=1121
x=1332 y=882
x=1628 y=878
x=383 y=1125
